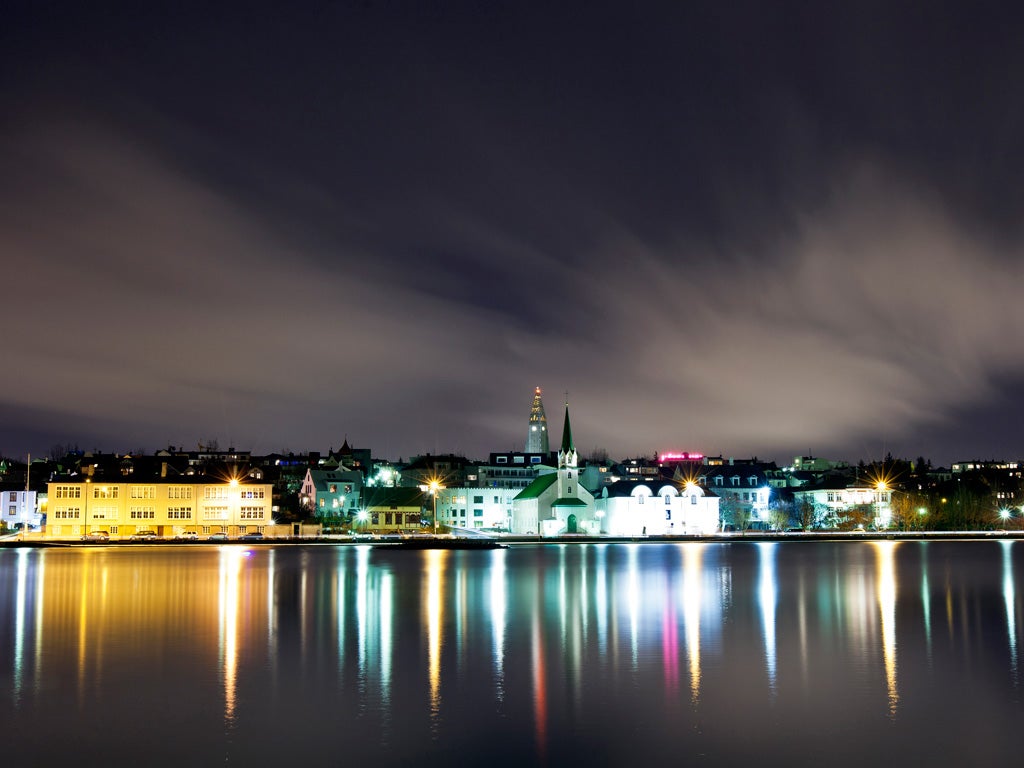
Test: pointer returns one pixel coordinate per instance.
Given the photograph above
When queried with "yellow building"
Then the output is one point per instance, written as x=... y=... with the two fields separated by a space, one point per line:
x=169 y=507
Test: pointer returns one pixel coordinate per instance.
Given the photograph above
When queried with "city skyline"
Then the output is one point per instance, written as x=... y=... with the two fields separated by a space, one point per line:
x=755 y=231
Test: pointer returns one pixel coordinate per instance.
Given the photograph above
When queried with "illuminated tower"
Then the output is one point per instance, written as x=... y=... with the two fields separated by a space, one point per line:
x=537 y=437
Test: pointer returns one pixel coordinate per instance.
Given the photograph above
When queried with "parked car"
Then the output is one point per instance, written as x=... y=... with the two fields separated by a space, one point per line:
x=144 y=536
x=96 y=536
x=254 y=536
x=187 y=536
x=219 y=536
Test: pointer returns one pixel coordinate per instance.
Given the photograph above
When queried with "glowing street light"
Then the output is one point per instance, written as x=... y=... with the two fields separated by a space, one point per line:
x=435 y=486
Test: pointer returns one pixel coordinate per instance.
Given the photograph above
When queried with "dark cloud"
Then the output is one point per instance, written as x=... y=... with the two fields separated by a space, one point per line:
x=762 y=230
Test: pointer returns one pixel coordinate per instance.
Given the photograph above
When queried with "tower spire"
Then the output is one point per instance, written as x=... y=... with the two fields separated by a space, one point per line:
x=537 y=434
x=567 y=456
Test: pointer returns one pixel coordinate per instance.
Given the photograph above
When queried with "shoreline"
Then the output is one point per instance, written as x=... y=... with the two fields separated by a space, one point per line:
x=719 y=538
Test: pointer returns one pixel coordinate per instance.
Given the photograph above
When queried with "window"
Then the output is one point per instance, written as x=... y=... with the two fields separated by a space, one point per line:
x=495 y=499
x=179 y=492
x=693 y=499
x=142 y=492
x=478 y=513
x=254 y=493
x=179 y=513
x=668 y=514
x=334 y=488
x=14 y=496
x=535 y=459
x=640 y=499
x=215 y=492
x=718 y=479
x=12 y=511
x=478 y=499
x=502 y=459
x=67 y=513
x=102 y=513
x=68 y=492
x=668 y=500
x=105 y=491
x=142 y=513
x=251 y=513
x=215 y=513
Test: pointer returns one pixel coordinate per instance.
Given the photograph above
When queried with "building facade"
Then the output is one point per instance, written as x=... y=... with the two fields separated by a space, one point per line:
x=20 y=510
x=638 y=508
x=168 y=507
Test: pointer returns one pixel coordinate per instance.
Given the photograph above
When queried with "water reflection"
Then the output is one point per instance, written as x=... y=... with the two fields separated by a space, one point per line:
x=691 y=597
x=767 y=595
x=1010 y=601
x=378 y=649
x=435 y=609
x=230 y=566
x=886 y=586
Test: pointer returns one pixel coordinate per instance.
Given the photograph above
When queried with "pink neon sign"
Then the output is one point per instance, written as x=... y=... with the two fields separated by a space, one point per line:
x=680 y=456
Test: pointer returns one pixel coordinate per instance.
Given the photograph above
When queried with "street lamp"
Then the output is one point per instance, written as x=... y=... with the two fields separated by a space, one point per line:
x=434 y=487
x=1004 y=515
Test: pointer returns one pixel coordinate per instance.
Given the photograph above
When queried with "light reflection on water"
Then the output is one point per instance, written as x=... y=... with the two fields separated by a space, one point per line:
x=532 y=654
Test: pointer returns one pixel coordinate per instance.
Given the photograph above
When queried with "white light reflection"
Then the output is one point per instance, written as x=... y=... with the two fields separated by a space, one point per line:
x=1009 y=598
x=231 y=560
x=886 y=551
x=693 y=555
x=339 y=612
x=362 y=571
x=926 y=601
x=498 y=603
x=387 y=587
x=19 y=623
x=601 y=600
x=633 y=595
x=767 y=594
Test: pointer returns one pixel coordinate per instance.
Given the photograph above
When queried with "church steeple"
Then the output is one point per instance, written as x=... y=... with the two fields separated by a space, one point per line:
x=567 y=455
x=537 y=436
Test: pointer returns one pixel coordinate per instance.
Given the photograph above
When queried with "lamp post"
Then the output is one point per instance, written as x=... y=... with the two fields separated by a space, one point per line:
x=435 y=486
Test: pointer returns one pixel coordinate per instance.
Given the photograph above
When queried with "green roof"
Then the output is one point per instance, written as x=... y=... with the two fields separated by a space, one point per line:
x=565 y=501
x=537 y=487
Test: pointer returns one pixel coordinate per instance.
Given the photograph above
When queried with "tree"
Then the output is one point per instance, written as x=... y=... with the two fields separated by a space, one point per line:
x=807 y=514
x=734 y=513
x=779 y=515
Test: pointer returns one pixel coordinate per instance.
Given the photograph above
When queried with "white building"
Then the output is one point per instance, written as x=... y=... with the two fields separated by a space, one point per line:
x=556 y=503
x=476 y=507
x=20 y=508
x=638 y=508
x=833 y=505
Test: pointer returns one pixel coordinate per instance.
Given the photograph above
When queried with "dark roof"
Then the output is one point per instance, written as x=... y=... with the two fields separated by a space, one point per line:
x=397 y=496
x=566 y=433
x=538 y=486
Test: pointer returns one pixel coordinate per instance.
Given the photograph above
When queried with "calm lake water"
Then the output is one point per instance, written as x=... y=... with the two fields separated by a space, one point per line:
x=602 y=654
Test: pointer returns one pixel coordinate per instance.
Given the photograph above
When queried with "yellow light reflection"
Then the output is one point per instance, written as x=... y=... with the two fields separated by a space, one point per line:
x=231 y=559
x=693 y=555
x=435 y=613
x=886 y=587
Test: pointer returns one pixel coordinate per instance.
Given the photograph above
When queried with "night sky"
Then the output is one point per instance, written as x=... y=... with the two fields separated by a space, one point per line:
x=758 y=228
